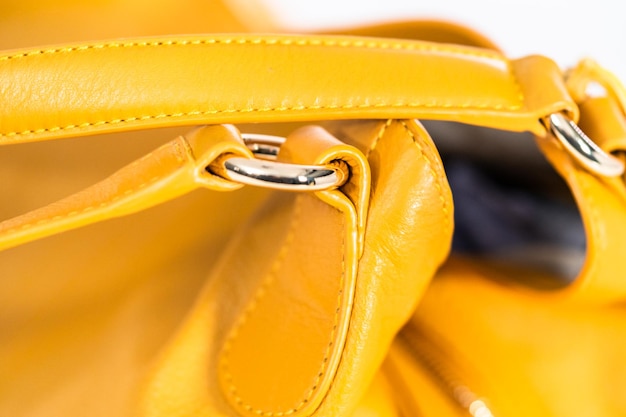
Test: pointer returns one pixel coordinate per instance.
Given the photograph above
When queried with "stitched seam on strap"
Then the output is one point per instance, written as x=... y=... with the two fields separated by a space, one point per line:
x=260 y=293
x=81 y=211
x=44 y=221
x=478 y=106
x=420 y=147
x=316 y=42
x=518 y=85
x=357 y=44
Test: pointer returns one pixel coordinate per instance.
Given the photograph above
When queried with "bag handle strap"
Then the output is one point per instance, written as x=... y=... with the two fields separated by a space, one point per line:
x=262 y=79
x=176 y=168
x=136 y=84
x=218 y=158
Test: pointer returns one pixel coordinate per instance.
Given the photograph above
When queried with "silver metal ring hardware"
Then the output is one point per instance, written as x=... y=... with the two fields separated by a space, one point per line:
x=266 y=172
x=583 y=149
x=263 y=146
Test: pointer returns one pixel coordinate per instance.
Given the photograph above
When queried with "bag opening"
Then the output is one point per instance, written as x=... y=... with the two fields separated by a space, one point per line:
x=511 y=206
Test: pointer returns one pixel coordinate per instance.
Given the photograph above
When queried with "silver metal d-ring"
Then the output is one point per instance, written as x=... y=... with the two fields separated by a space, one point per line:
x=283 y=176
x=266 y=172
x=263 y=146
x=583 y=149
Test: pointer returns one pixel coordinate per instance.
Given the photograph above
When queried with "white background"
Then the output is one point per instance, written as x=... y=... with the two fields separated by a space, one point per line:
x=565 y=31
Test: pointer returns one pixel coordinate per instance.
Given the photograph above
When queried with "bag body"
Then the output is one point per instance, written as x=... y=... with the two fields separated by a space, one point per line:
x=158 y=284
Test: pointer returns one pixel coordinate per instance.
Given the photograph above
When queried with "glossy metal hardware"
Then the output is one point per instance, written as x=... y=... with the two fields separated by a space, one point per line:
x=263 y=146
x=266 y=172
x=583 y=149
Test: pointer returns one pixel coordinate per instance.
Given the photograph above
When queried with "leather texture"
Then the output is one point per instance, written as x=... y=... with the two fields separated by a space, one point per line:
x=235 y=79
x=485 y=340
x=527 y=354
x=171 y=171
x=284 y=380
x=157 y=293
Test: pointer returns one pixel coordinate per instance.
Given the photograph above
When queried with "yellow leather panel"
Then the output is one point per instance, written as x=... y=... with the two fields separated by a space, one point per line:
x=538 y=355
x=379 y=400
x=312 y=296
x=296 y=322
x=601 y=202
x=398 y=153
x=588 y=72
x=216 y=79
x=97 y=304
x=417 y=391
x=315 y=140
x=84 y=313
x=602 y=205
x=243 y=326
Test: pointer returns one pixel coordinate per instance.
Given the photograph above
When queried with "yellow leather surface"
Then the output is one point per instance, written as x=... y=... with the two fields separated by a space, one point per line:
x=28 y=23
x=281 y=361
x=83 y=313
x=587 y=73
x=98 y=303
x=119 y=318
x=538 y=355
x=243 y=327
x=601 y=201
x=169 y=172
x=603 y=120
x=516 y=350
x=379 y=399
x=602 y=205
x=417 y=391
x=108 y=86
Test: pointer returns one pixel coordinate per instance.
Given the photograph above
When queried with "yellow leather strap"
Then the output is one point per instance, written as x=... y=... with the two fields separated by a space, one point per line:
x=601 y=201
x=174 y=169
x=279 y=345
x=588 y=72
x=135 y=84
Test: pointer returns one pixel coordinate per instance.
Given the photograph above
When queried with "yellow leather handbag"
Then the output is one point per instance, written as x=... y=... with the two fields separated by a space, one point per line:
x=249 y=225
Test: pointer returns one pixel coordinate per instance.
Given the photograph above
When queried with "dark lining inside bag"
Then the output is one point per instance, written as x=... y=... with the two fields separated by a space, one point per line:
x=510 y=204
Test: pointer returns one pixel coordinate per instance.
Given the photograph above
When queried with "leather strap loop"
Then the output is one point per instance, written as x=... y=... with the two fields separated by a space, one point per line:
x=136 y=84
x=173 y=170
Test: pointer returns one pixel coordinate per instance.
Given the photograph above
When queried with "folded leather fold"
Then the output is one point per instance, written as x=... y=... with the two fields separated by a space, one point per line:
x=602 y=206
x=93 y=88
x=301 y=334
x=277 y=347
x=536 y=354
